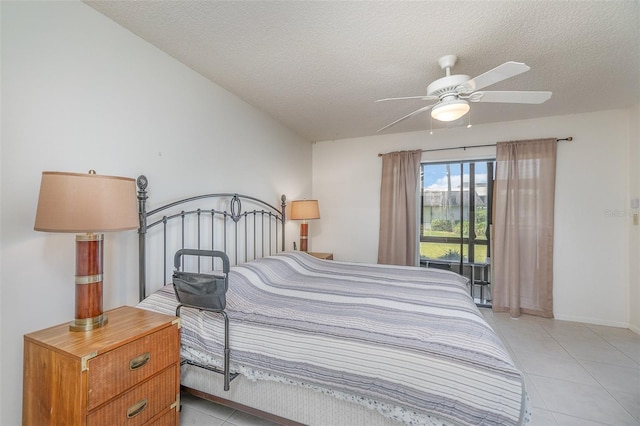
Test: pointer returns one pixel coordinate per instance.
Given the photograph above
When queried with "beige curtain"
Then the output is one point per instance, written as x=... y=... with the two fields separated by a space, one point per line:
x=523 y=227
x=398 y=243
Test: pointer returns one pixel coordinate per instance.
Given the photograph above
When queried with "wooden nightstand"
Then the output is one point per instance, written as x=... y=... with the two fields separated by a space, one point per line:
x=325 y=256
x=127 y=372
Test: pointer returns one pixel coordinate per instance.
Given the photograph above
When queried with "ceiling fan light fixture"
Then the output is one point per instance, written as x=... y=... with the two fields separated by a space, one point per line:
x=455 y=91
x=450 y=110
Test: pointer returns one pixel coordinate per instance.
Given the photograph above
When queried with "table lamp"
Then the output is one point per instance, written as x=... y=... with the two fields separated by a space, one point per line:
x=304 y=210
x=87 y=204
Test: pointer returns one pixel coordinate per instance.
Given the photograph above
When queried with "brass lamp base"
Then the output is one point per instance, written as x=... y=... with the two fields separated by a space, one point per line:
x=88 y=324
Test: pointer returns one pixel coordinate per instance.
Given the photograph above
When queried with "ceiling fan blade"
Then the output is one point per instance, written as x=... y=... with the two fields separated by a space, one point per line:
x=499 y=73
x=425 y=108
x=514 y=97
x=425 y=97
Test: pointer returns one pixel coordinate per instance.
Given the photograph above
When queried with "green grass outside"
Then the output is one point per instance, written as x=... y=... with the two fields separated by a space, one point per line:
x=438 y=250
x=430 y=233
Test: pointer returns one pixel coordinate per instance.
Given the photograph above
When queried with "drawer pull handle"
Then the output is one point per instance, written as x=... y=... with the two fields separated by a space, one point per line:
x=136 y=408
x=139 y=361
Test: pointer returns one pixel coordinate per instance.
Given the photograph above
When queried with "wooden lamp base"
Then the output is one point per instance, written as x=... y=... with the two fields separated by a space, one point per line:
x=89 y=314
x=304 y=234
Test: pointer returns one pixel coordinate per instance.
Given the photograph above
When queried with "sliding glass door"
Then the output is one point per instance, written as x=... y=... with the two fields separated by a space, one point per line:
x=455 y=221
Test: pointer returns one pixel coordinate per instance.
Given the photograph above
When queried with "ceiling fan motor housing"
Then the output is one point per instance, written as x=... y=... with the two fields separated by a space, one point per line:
x=445 y=85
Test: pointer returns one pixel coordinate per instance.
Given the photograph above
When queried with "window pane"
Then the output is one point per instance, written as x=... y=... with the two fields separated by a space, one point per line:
x=455 y=213
x=481 y=201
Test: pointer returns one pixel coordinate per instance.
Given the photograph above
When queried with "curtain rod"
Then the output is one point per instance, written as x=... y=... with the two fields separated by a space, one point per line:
x=568 y=139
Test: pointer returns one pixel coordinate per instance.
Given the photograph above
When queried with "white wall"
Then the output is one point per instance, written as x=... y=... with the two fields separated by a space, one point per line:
x=591 y=258
x=634 y=234
x=80 y=92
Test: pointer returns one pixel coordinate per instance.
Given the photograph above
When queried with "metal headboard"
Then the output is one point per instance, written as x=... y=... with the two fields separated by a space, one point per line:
x=242 y=234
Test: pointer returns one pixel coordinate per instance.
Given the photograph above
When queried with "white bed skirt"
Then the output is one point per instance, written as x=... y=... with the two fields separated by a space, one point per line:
x=297 y=403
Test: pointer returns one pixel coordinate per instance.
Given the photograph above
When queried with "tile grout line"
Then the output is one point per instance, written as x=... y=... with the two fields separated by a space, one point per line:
x=505 y=341
x=579 y=361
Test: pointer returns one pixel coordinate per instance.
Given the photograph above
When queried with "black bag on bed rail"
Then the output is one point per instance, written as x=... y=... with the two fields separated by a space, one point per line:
x=198 y=290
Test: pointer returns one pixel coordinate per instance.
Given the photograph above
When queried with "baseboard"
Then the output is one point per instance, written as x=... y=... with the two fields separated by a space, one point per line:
x=594 y=321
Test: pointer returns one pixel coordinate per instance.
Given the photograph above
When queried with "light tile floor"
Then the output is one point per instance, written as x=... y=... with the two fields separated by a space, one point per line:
x=576 y=374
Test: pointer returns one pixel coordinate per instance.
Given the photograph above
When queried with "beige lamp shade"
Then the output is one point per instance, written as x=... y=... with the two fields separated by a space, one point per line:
x=305 y=210
x=75 y=202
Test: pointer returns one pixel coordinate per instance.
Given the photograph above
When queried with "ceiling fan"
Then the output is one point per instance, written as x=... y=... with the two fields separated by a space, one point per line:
x=454 y=92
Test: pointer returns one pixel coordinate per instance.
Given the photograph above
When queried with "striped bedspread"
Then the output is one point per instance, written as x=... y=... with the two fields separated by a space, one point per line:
x=408 y=342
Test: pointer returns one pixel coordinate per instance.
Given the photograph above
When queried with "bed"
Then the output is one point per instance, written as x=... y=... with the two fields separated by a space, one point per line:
x=320 y=341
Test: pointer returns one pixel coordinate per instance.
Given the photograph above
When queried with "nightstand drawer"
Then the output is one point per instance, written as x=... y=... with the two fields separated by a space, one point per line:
x=170 y=418
x=116 y=371
x=140 y=404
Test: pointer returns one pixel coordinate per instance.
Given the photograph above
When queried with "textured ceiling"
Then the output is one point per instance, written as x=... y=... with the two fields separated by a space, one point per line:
x=318 y=66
